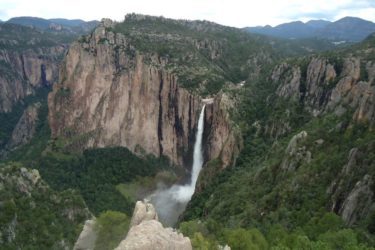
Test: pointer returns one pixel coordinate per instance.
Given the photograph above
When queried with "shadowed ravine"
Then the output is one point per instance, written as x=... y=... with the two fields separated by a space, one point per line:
x=170 y=203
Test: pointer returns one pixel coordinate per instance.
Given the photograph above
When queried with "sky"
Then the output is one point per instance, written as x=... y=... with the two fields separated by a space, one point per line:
x=237 y=13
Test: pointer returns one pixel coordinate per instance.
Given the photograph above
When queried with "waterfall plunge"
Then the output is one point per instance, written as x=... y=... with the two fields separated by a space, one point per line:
x=170 y=203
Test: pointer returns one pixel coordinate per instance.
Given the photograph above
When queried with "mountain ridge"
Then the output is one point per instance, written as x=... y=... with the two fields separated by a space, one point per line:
x=55 y=24
x=349 y=29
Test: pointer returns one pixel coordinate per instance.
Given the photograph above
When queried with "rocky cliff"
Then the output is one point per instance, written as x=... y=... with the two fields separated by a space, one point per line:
x=352 y=191
x=25 y=128
x=340 y=86
x=111 y=94
x=24 y=71
x=324 y=86
x=222 y=137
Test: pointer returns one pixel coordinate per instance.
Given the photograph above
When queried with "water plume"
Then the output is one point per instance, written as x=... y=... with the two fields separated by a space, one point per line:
x=170 y=203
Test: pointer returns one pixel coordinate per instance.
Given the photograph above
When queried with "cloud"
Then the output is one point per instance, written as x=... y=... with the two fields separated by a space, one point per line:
x=237 y=13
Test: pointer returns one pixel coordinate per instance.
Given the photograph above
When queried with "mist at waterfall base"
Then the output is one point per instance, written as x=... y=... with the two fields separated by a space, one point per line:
x=170 y=203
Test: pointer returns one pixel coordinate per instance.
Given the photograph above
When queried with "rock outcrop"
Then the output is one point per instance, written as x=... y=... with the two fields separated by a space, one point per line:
x=143 y=211
x=148 y=233
x=222 y=138
x=88 y=236
x=296 y=154
x=32 y=213
x=352 y=193
x=151 y=235
x=24 y=71
x=359 y=201
x=110 y=94
x=25 y=128
x=330 y=86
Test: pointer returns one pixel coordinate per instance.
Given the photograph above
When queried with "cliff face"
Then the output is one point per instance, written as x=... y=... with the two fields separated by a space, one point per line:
x=24 y=71
x=352 y=192
x=222 y=139
x=326 y=86
x=344 y=86
x=25 y=128
x=110 y=94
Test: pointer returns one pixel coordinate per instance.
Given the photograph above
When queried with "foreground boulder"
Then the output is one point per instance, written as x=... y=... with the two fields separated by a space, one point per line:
x=147 y=232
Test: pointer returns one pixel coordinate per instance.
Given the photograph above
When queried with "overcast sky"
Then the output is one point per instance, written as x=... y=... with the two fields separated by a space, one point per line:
x=238 y=13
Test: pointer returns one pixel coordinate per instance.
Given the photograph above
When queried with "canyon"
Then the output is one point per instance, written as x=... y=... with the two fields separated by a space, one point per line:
x=245 y=139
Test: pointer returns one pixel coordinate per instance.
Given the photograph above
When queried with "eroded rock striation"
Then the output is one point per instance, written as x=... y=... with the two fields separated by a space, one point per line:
x=352 y=193
x=222 y=139
x=24 y=71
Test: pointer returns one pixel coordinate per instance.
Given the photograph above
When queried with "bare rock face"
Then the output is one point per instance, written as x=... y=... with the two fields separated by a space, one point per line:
x=110 y=94
x=139 y=108
x=322 y=89
x=291 y=88
x=352 y=193
x=222 y=138
x=25 y=128
x=149 y=233
x=87 y=238
x=295 y=153
x=26 y=71
x=358 y=202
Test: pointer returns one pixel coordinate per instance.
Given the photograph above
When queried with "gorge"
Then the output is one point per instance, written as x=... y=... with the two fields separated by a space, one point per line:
x=259 y=143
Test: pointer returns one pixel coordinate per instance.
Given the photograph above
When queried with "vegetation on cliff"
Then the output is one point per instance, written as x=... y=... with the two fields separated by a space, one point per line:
x=303 y=179
x=34 y=216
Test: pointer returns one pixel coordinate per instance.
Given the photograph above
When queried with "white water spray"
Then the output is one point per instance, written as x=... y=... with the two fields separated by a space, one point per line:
x=170 y=203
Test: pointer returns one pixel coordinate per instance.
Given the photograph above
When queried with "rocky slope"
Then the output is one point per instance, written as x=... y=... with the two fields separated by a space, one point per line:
x=307 y=125
x=25 y=128
x=326 y=86
x=112 y=94
x=34 y=215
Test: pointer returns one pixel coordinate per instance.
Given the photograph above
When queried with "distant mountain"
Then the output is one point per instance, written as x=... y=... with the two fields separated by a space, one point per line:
x=76 y=26
x=35 y=22
x=290 y=30
x=349 y=29
x=67 y=22
x=317 y=24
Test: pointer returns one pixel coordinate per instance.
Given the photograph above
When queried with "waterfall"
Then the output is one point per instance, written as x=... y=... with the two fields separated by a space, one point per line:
x=170 y=203
x=198 y=154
